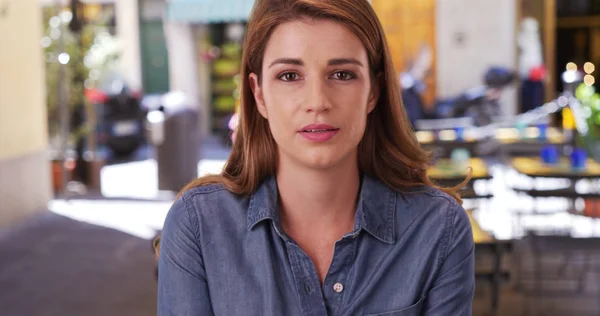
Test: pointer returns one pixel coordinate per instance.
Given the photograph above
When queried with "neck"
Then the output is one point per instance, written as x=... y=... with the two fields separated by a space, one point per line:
x=318 y=199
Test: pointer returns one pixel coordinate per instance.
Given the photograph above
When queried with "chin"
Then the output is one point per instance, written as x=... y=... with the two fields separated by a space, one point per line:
x=323 y=159
x=320 y=164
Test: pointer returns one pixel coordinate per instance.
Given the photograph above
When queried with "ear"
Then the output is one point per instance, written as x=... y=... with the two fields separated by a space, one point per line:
x=374 y=95
x=258 y=95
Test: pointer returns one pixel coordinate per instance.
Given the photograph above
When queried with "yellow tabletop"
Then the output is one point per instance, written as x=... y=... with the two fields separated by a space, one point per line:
x=533 y=166
x=511 y=135
x=448 y=135
x=446 y=169
x=479 y=235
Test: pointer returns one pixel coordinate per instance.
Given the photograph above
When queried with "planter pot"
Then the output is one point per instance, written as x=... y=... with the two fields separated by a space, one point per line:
x=91 y=169
x=93 y=176
x=56 y=171
x=94 y=167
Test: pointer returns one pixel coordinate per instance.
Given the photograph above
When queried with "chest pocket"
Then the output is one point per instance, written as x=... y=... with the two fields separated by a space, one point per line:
x=413 y=310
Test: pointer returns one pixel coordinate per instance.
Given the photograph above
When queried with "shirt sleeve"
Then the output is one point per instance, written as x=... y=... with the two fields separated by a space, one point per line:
x=452 y=291
x=182 y=285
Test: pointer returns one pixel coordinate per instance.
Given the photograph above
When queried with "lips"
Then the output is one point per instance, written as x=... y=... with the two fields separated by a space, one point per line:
x=318 y=132
x=317 y=128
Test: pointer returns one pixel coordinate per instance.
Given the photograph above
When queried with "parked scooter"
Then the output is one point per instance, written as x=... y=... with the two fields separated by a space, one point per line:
x=479 y=103
x=120 y=116
x=482 y=104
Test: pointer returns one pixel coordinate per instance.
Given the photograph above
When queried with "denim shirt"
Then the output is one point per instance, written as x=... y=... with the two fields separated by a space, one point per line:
x=409 y=253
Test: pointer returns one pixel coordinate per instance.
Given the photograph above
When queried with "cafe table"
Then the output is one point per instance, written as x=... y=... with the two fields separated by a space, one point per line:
x=533 y=167
x=512 y=144
x=443 y=142
x=447 y=173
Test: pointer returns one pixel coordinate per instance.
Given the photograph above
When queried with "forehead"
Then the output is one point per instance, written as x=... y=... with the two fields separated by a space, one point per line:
x=314 y=40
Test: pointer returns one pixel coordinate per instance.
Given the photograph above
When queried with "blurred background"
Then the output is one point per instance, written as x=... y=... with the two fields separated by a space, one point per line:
x=108 y=107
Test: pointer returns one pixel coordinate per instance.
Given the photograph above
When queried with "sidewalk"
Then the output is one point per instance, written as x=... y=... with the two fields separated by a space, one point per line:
x=53 y=265
x=92 y=255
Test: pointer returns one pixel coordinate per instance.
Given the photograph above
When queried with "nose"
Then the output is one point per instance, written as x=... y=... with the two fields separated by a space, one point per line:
x=318 y=99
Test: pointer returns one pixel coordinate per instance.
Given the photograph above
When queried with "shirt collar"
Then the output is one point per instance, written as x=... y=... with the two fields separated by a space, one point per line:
x=264 y=203
x=375 y=211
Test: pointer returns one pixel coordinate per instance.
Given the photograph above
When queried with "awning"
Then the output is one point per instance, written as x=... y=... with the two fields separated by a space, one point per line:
x=209 y=11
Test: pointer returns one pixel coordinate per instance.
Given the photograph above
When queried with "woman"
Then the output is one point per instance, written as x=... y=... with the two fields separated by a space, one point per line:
x=323 y=207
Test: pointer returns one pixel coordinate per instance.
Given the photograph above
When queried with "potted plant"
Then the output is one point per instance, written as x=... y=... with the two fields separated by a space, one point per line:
x=83 y=56
x=590 y=104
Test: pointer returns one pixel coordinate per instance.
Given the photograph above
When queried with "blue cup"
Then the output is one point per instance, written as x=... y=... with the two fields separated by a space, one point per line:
x=578 y=158
x=460 y=133
x=549 y=155
x=543 y=129
x=460 y=158
x=521 y=126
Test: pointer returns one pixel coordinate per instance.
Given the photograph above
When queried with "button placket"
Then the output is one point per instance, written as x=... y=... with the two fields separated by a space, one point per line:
x=307 y=287
x=336 y=282
x=306 y=281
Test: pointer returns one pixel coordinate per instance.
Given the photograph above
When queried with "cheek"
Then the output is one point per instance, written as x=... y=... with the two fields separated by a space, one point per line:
x=280 y=116
x=356 y=94
x=282 y=103
x=358 y=128
x=356 y=101
x=357 y=113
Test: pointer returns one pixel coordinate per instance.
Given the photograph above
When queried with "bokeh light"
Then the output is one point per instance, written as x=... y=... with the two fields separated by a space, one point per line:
x=589 y=67
x=64 y=58
x=571 y=66
x=54 y=22
x=46 y=42
x=55 y=33
x=589 y=80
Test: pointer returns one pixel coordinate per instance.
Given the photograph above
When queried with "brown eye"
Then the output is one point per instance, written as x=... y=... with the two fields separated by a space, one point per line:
x=343 y=75
x=289 y=76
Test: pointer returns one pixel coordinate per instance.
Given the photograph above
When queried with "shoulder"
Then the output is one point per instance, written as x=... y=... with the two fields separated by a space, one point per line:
x=208 y=199
x=433 y=207
x=207 y=205
x=428 y=198
x=206 y=192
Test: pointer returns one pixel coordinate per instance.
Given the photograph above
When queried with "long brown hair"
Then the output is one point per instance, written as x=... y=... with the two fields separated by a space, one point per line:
x=389 y=150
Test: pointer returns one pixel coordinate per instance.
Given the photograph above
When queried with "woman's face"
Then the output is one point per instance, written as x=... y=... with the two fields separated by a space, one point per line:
x=315 y=91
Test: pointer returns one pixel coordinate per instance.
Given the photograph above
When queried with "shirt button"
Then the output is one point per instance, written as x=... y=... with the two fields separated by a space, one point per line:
x=338 y=287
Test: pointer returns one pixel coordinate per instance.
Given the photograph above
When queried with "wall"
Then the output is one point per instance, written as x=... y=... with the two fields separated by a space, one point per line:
x=409 y=25
x=183 y=63
x=128 y=31
x=24 y=169
x=203 y=75
x=22 y=108
x=471 y=36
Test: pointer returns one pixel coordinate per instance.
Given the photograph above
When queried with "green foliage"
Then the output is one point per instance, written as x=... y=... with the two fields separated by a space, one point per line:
x=590 y=101
x=90 y=53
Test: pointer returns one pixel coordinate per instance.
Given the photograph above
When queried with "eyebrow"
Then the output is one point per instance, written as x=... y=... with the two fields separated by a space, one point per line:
x=344 y=61
x=288 y=61
x=332 y=62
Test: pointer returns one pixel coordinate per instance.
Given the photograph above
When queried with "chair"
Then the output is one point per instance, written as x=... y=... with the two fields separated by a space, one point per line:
x=558 y=267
